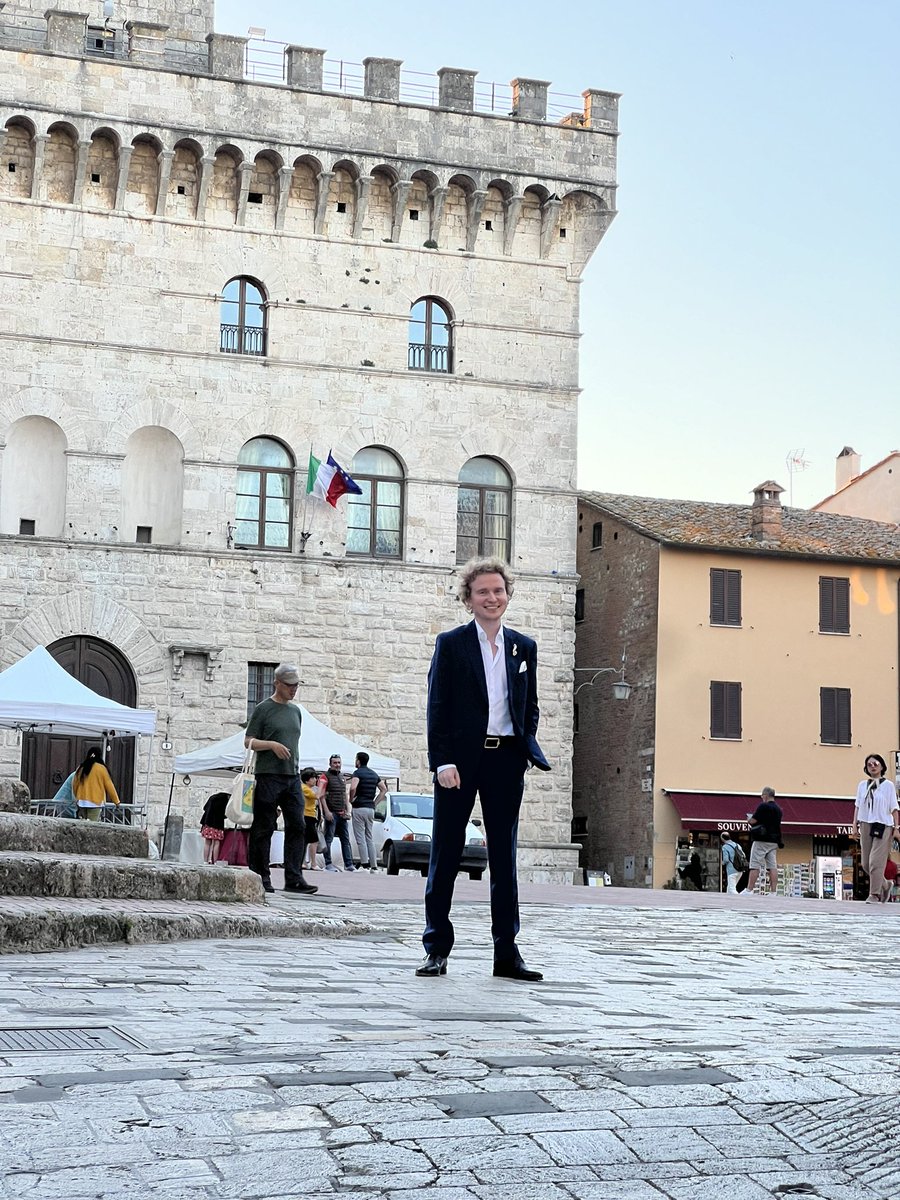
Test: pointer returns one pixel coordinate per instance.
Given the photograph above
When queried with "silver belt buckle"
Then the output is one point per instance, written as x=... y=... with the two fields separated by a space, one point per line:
x=491 y=743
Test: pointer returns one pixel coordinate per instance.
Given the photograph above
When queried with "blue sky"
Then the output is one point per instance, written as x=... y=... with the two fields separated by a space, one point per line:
x=746 y=300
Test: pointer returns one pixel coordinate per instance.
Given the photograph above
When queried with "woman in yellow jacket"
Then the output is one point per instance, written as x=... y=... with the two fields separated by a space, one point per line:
x=92 y=786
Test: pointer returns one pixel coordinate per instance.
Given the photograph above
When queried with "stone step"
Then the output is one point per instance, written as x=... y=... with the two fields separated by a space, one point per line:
x=35 y=924
x=62 y=836
x=24 y=873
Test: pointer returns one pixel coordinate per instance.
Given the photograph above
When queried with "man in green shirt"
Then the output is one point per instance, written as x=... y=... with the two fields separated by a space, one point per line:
x=273 y=732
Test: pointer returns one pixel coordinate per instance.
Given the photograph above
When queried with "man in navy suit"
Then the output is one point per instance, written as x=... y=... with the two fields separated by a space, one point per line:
x=482 y=725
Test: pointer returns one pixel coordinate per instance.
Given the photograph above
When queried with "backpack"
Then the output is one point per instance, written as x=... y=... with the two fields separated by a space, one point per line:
x=740 y=858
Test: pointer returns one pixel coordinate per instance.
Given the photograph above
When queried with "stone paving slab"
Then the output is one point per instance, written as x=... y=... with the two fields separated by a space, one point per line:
x=271 y=1068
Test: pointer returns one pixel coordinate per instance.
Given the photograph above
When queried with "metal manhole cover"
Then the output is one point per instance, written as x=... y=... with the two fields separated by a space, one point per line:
x=62 y=1039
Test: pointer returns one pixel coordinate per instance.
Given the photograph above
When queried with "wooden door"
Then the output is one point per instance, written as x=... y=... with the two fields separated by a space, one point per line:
x=47 y=758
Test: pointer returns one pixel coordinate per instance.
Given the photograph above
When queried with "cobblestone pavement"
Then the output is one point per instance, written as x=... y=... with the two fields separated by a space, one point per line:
x=674 y=1050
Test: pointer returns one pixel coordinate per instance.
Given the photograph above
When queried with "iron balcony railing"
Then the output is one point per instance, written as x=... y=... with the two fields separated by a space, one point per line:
x=430 y=358
x=242 y=339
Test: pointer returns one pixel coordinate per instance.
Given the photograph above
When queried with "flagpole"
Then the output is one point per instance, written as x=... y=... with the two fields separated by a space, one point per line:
x=305 y=534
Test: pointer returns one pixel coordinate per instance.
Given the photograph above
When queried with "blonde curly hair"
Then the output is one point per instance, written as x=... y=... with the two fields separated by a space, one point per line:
x=483 y=566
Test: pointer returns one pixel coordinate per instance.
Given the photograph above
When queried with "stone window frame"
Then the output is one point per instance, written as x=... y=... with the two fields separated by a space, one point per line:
x=485 y=493
x=242 y=336
x=377 y=480
x=264 y=473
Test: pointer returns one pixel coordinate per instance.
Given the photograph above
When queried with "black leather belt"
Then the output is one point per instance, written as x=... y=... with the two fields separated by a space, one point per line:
x=496 y=743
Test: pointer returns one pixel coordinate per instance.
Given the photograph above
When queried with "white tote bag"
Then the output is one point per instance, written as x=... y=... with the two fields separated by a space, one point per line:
x=239 y=809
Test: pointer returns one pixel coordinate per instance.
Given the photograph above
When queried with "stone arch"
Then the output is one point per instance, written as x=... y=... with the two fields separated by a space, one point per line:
x=59 y=162
x=528 y=226
x=152 y=486
x=184 y=179
x=415 y=227
x=83 y=611
x=340 y=210
x=102 y=173
x=41 y=402
x=253 y=425
x=584 y=219
x=33 y=492
x=493 y=216
x=162 y=412
x=379 y=219
x=262 y=195
x=221 y=206
x=17 y=161
x=300 y=216
x=142 y=185
x=455 y=227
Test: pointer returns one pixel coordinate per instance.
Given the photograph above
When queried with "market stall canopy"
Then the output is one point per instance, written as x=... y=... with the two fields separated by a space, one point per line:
x=808 y=816
x=317 y=744
x=37 y=695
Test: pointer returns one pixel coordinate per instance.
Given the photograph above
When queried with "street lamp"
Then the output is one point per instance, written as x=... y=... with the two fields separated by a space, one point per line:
x=621 y=689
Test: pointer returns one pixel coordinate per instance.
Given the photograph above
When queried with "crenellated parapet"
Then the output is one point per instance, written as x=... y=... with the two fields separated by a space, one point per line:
x=140 y=170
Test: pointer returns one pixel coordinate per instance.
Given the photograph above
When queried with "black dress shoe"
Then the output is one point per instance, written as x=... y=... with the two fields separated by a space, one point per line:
x=267 y=887
x=516 y=970
x=434 y=964
x=301 y=889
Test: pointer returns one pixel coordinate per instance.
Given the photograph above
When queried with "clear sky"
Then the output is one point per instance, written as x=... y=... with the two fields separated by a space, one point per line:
x=746 y=301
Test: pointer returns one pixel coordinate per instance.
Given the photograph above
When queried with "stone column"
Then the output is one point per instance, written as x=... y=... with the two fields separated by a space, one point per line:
x=476 y=208
x=382 y=78
x=530 y=99
x=124 y=162
x=285 y=178
x=246 y=170
x=363 y=184
x=305 y=68
x=510 y=222
x=456 y=89
x=81 y=161
x=164 y=158
x=323 y=183
x=146 y=41
x=550 y=210
x=226 y=55
x=438 y=197
x=400 y=192
x=207 y=162
x=601 y=110
x=39 y=142
x=65 y=31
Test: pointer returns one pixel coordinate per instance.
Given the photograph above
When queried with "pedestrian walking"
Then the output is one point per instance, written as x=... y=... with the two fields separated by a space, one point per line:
x=876 y=822
x=365 y=785
x=92 y=786
x=273 y=732
x=482 y=726
x=309 y=777
x=212 y=826
x=765 y=839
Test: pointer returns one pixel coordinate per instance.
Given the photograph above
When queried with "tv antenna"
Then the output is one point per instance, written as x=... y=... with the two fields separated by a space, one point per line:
x=795 y=462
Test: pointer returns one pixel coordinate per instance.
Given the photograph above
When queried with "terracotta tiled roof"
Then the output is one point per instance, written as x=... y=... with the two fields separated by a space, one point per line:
x=805 y=533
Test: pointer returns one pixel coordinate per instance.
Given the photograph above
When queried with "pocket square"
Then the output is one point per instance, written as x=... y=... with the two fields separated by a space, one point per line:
x=523 y=667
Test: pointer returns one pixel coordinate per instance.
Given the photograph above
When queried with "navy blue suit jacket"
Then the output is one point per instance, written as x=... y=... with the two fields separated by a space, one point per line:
x=458 y=700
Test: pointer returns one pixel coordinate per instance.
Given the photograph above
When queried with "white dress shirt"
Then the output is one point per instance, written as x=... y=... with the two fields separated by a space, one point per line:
x=499 y=721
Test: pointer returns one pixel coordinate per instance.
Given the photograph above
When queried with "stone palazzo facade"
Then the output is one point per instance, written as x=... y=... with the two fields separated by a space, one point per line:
x=204 y=279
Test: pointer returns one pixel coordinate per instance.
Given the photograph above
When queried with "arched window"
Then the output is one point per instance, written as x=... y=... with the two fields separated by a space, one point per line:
x=265 y=493
x=430 y=336
x=482 y=510
x=244 y=328
x=375 y=519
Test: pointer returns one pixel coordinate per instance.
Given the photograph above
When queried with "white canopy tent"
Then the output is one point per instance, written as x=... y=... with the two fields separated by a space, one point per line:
x=317 y=744
x=37 y=695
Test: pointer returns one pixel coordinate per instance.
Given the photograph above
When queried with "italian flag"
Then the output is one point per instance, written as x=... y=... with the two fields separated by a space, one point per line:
x=328 y=481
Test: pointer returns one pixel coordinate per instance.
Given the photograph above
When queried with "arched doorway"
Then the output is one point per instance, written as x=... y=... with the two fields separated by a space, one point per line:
x=47 y=758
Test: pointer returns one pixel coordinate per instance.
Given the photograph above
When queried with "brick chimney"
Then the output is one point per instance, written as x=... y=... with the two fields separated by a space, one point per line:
x=765 y=515
x=846 y=468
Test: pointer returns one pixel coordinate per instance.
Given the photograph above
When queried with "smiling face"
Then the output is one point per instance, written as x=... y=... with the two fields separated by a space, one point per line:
x=488 y=600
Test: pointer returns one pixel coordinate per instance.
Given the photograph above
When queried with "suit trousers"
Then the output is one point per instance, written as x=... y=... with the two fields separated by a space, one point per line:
x=499 y=782
x=271 y=793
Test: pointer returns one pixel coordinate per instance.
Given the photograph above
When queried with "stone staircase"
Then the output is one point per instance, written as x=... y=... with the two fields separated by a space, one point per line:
x=66 y=883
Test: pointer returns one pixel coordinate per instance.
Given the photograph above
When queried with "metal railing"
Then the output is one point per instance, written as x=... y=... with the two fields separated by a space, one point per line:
x=429 y=358
x=242 y=339
x=112 y=814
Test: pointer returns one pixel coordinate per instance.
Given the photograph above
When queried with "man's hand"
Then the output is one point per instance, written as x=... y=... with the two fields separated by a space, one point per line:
x=279 y=750
x=448 y=778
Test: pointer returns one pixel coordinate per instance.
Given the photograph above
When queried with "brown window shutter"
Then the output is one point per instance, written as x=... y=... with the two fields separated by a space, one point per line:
x=716 y=596
x=724 y=710
x=826 y=604
x=843 y=716
x=732 y=597
x=732 y=710
x=828 y=716
x=842 y=606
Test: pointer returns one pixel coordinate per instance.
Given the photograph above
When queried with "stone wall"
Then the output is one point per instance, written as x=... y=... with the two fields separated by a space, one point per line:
x=613 y=758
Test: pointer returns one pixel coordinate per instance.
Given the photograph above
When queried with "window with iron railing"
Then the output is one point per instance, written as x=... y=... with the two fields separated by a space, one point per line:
x=430 y=336
x=243 y=318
